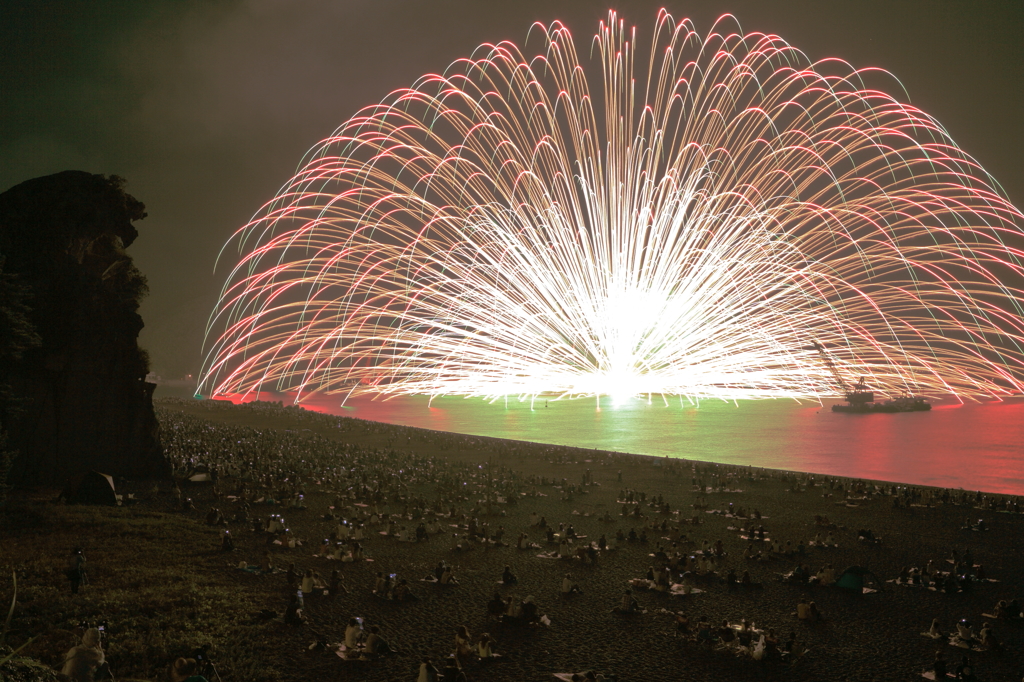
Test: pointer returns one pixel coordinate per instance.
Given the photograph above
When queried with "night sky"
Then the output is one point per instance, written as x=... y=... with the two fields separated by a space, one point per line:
x=207 y=106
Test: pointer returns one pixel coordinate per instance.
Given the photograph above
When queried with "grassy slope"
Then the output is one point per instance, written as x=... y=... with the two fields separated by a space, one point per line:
x=151 y=578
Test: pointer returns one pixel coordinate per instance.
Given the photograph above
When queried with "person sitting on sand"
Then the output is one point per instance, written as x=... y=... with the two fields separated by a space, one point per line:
x=309 y=584
x=745 y=635
x=964 y=630
x=529 y=611
x=82 y=661
x=830 y=575
x=682 y=624
x=771 y=644
x=939 y=666
x=628 y=604
x=513 y=611
x=375 y=644
x=463 y=650
x=569 y=587
x=964 y=670
x=704 y=632
x=293 y=615
x=353 y=633
x=336 y=585
x=935 y=631
x=817 y=577
x=803 y=609
x=731 y=579
x=987 y=639
x=483 y=647
x=726 y=634
x=214 y=517
x=401 y=591
x=428 y=673
x=447 y=577
x=496 y=606
x=452 y=672
x=508 y=577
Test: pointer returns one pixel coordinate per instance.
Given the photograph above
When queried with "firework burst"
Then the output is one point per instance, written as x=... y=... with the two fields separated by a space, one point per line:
x=686 y=223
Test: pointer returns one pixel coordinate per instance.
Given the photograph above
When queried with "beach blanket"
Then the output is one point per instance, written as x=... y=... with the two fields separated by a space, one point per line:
x=929 y=675
x=677 y=591
x=959 y=643
x=346 y=654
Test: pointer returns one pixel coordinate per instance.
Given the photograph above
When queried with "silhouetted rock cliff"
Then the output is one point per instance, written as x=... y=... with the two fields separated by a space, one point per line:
x=84 y=400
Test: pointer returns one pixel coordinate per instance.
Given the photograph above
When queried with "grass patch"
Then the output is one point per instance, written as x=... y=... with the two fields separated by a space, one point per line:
x=155 y=578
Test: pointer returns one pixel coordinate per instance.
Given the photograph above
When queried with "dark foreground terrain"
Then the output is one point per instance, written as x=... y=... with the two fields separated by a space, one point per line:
x=158 y=576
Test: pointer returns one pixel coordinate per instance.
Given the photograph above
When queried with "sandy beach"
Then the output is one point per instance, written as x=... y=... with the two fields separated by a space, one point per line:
x=862 y=636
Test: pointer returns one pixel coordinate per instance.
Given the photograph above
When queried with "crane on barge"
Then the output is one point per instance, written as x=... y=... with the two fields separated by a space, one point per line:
x=861 y=400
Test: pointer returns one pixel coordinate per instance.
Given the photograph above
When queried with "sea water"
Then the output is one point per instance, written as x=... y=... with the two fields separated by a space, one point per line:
x=972 y=446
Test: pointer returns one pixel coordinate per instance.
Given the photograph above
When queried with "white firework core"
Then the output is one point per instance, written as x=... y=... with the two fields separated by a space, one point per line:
x=693 y=225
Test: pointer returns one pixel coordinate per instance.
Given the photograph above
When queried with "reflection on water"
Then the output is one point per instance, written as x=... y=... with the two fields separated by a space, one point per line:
x=970 y=446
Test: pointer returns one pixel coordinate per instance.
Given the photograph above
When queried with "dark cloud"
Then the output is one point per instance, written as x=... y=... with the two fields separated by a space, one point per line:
x=207 y=106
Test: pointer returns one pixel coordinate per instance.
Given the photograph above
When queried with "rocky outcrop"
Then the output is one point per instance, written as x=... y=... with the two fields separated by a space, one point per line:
x=85 y=403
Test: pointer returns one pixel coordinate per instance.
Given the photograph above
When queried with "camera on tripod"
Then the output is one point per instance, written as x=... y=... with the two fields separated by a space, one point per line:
x=203 y=663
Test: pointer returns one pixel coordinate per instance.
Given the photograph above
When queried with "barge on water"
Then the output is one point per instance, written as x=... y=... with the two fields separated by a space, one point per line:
x=859 y=400
x=903 y=403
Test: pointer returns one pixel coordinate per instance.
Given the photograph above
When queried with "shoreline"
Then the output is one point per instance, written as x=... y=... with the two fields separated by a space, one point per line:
x=186 y=402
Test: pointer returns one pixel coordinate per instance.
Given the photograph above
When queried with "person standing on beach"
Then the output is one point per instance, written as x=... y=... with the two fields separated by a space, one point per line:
x=76 y=569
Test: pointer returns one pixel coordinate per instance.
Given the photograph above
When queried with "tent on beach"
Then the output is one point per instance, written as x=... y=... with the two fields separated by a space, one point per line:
x=856 y=579
x=200 y=474
x=90 y=487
